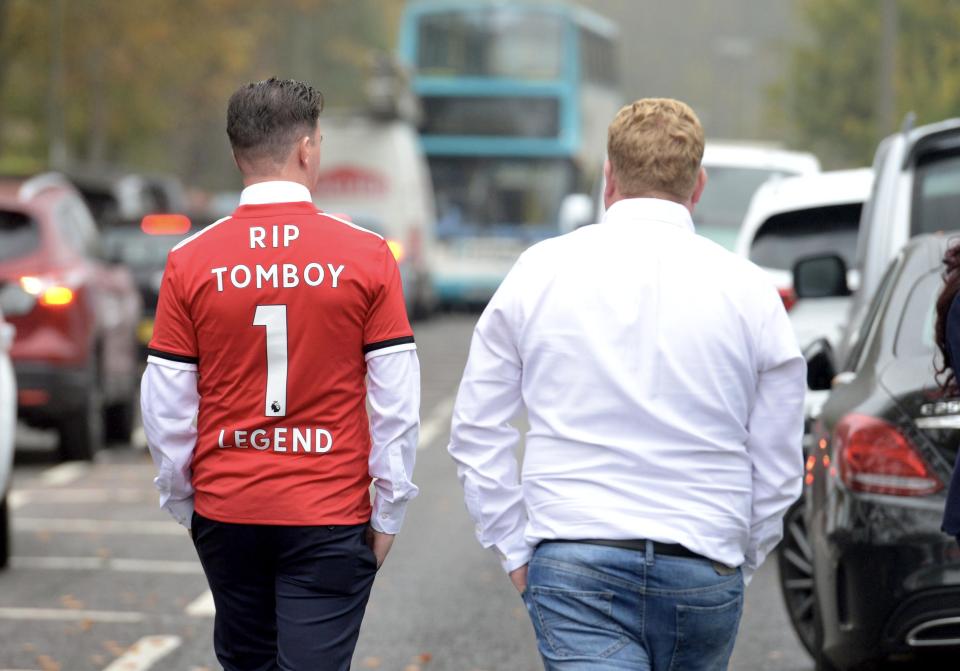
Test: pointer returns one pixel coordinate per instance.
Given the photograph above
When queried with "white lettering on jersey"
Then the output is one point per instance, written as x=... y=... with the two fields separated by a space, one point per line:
x=257 y=234
x=265 y=275
x=285 y=275
x=235 y=272
x=307 y=440
x=306 y=275
x=335 y=274
x=219 y=273
x=290 y=233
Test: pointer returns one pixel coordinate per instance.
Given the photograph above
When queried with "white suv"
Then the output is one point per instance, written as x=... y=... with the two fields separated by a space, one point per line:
x=8 y=425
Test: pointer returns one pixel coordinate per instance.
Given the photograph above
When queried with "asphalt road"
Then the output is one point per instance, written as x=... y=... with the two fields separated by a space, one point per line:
x=101 y=580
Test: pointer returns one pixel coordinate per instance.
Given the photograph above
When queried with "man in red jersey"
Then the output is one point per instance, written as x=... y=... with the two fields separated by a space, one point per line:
x=275 y=327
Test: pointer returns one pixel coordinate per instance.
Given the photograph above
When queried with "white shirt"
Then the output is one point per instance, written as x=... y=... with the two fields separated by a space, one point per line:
x=170 y=401
x=664 y=389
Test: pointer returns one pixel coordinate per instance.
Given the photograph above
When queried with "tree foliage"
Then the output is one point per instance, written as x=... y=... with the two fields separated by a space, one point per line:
x=831 y=92
x=144 y=84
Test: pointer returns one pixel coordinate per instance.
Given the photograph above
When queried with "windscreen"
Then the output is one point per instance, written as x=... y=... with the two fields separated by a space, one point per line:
x=727 y=195
x=19 y=235
x=936 y=194
x=496 y=42
x=499 y=195
x=785 y=238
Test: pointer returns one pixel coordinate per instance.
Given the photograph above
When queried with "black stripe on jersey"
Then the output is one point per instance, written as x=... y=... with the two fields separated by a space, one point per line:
x=405 y=340
x=172 y=357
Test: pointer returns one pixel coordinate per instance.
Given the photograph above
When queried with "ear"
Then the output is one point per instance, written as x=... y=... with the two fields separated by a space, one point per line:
x=304 y=149
x=609 y=182
x=699 y=186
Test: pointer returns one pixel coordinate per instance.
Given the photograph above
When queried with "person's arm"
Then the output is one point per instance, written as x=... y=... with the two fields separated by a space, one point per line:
x=169 y=403
x=775 y=442
x=393 y=391
x=482 y=441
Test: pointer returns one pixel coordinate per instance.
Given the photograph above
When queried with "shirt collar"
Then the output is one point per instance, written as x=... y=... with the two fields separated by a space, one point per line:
x=649 y=209
x=263 y=193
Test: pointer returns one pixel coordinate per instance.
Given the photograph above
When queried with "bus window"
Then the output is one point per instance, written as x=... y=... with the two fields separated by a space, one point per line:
x=598 y=59
x=487 y=115
x=497 y=43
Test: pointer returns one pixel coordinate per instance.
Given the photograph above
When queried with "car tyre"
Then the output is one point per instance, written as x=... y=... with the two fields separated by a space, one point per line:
x=81 y=431
x=820 y=661
x=4 y=533
x=795 y=564
x=118 y=421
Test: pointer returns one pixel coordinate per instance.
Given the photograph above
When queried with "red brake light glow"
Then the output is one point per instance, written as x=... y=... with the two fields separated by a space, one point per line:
x=874 y=456
x=165 y=224
x=788 y=296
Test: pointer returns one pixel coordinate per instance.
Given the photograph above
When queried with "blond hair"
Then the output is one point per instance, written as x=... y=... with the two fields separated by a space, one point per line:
x=655 y=146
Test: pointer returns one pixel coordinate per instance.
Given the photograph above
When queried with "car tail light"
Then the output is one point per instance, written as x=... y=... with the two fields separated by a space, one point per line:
x=788 y=296
x=48 y=291
x=876 y=457
x=396 y=248
x=165 y=224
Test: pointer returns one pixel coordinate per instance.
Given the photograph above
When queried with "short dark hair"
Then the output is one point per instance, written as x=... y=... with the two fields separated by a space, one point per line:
x=265 y=118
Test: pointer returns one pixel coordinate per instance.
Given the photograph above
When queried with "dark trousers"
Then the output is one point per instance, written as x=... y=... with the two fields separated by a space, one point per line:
x=289 y=598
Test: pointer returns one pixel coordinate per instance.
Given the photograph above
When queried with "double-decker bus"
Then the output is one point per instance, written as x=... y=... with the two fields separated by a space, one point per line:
x=516 y=102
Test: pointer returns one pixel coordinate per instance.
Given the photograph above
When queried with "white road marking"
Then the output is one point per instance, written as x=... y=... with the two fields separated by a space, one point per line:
x=61 y=496
x=86 y=526
x=109 y=564
x=16 y=500
x=437 y=423
x=65 y=473
x=142 y=654
x=71 y=615
x=202 y=606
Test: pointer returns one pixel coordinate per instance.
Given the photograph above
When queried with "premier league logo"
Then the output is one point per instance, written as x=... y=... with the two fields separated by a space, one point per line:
x=275 y=406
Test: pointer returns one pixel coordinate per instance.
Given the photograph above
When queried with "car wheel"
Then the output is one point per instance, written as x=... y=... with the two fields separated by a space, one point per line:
x=118 y=421
x=795 y=561
x=4 y=533
x=81 y=431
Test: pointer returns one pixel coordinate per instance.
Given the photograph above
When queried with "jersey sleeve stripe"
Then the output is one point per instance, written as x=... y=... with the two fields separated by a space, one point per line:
x=389 y=350
x=170 y=356
x=392 y=342
x=175 y=365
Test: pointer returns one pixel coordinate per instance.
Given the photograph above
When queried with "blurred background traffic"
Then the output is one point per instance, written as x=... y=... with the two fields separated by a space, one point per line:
x=463 y=132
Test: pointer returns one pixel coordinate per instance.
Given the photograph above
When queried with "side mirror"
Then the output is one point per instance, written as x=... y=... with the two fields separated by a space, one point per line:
x=576 y=210
x=820 y=367
x=820 y=277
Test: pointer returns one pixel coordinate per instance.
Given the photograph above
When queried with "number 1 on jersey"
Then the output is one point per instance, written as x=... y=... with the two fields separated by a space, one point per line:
x=274 y=318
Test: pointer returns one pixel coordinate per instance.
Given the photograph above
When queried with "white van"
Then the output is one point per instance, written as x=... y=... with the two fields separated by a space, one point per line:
x=374 y=172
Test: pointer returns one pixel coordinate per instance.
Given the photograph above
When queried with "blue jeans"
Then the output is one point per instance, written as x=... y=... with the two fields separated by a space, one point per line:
x=596 y=608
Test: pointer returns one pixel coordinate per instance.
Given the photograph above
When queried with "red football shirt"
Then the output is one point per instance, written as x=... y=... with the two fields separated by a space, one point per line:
x=279 y=306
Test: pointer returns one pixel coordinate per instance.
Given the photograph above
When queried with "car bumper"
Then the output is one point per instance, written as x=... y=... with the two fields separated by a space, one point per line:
x=45 y=393
x=886 y=576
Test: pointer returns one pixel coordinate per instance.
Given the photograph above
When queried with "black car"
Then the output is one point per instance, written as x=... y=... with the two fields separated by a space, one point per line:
x=868 y=577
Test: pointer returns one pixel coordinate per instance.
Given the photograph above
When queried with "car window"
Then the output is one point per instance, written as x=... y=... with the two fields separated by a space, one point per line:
x=867 y=329
x=74 y=222
x=921 y=310
x=785 y=238
x=19 y=235
x=936 y=194
x=728 y=192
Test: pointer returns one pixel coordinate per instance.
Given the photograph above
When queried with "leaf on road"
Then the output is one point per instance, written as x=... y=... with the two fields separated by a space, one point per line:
x=425 y=658
x=47 y=663
x=371 y=662
x=71 y=602
x=114 y=648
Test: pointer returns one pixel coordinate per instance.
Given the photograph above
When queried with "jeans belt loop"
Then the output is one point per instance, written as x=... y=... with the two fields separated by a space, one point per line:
x=649 y=553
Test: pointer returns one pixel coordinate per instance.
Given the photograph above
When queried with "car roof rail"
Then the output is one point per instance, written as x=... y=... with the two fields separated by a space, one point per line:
x=909 y=121
x=39 y=183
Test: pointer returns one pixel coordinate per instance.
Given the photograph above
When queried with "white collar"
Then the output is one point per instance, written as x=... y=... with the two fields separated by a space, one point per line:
x=263 y=193
x=649 y=209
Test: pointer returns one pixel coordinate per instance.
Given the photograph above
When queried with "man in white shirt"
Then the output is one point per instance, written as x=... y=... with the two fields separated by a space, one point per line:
x=664 y=390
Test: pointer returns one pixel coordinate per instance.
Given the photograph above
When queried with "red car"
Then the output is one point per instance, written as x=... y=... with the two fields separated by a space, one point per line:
x=75 y=352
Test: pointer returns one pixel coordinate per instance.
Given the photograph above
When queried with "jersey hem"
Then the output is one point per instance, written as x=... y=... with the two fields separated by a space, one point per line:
x=337 y=521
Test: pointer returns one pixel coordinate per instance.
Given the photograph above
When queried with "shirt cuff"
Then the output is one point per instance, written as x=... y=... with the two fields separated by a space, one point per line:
x=514 y=552
x=387 y=517
x=181 y=510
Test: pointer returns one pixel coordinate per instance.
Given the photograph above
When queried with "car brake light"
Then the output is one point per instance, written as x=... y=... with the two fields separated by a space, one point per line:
x=165 y=224
x=788 y=296
x=396 y=248
x=876 y=457
x=48 y=293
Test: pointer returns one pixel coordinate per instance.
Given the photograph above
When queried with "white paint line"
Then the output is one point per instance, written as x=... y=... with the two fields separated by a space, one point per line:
x=65 y=473
x=19 y=669
x=16 y=500
x=202 y=606
x=110 y=564
x=86 y=526
x=62 y=496
x=70 y=615
x=142 y=654
x=438 y=422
